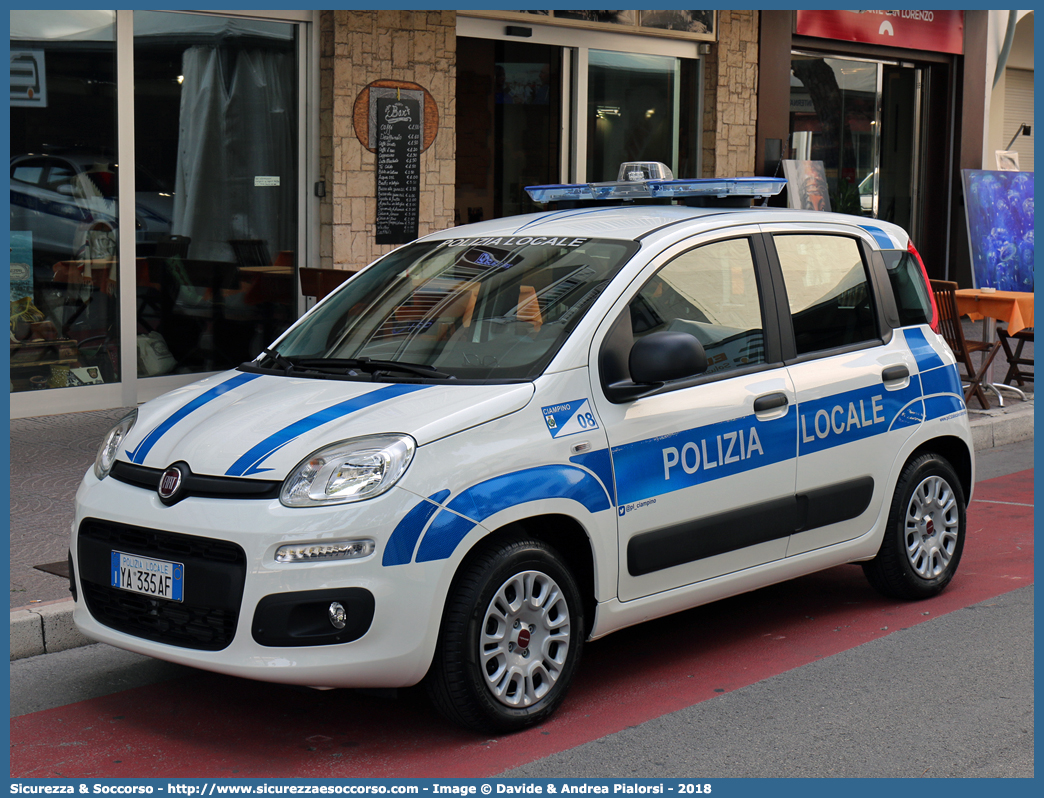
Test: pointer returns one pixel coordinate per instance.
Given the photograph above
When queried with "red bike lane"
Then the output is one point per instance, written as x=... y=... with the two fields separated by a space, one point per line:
x=207 y=725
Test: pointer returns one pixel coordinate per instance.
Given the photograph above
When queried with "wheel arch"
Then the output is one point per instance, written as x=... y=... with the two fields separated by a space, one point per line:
x=565 y=535
x=956 y=452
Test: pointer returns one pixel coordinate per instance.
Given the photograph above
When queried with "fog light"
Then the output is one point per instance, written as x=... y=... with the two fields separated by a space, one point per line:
x=337 y=614
x=337 y=550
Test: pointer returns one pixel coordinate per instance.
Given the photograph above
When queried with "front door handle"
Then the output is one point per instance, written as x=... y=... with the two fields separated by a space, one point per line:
x=770 y=401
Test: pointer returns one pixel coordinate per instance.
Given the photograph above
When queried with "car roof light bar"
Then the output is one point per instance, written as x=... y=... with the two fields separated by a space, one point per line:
x=718 y=187
x=715 y=187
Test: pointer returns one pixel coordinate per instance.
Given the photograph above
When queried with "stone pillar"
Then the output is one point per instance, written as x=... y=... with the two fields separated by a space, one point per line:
x=730 y=97
x=709 y=126
x=357 y=48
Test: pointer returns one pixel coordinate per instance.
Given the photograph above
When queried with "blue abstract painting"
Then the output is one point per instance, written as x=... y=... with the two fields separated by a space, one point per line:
x=999 y=206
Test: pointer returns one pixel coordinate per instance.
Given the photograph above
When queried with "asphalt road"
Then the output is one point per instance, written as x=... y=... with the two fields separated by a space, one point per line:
x=946 y=696
x=950 y=698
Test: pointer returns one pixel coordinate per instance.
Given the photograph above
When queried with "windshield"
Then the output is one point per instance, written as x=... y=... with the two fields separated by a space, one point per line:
x=486 y=309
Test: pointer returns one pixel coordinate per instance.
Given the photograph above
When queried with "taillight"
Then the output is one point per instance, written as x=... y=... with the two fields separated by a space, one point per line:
x=934 y=323
x=105 y=182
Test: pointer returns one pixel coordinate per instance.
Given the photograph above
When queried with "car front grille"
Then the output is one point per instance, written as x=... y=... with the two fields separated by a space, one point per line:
x=215 y=572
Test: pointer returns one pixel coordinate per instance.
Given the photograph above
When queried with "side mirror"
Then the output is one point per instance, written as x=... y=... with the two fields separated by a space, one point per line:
x=656 y=359
x=664 y=356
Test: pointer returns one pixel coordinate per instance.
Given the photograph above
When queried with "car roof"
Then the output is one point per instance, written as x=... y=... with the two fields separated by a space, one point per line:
x=76 y=157
x=640 y=222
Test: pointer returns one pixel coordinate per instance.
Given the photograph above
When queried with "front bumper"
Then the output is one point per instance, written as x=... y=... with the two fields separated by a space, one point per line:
x=228 y=549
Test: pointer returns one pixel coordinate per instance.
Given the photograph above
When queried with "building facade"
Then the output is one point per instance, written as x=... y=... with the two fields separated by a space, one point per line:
x=269 y=155
x=1009 y=99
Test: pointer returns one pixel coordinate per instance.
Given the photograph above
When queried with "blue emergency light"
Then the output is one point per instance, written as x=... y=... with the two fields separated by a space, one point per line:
x=652 y=180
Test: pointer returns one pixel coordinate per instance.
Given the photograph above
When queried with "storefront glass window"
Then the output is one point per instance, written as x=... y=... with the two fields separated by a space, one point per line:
x=640 y=108
x=64 y=202
x=216 y=129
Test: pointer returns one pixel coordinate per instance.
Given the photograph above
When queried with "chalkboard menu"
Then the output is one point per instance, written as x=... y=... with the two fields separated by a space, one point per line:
x=400 y=132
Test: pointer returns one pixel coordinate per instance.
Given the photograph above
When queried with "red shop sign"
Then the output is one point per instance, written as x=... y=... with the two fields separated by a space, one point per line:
x=937 y=31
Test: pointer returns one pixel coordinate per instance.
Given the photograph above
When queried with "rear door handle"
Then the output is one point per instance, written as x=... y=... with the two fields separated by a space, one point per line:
x=770 y=401
x=895 y=373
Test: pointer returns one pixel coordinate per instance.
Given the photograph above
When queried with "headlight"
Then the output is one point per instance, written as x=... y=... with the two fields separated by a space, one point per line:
x=349 y=471
x=111 y=445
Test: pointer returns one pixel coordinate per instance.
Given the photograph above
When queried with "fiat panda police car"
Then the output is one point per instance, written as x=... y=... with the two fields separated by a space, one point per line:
x=506 y=439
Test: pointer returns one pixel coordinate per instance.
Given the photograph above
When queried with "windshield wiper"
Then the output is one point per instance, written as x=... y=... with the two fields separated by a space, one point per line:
x=331 y=366
x=370 y=366
x=279 y=360
x=289 y=366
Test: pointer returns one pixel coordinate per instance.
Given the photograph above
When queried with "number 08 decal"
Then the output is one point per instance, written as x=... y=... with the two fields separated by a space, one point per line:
x=569 y=418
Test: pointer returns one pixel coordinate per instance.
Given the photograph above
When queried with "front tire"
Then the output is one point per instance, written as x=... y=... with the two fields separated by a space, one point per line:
x=924 y=538
x=511 y=638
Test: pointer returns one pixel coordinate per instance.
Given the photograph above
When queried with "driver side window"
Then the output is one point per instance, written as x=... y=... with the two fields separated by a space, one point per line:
x=710 y=292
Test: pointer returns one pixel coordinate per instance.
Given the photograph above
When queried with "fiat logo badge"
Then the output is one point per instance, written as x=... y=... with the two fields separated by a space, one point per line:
x=170 y=483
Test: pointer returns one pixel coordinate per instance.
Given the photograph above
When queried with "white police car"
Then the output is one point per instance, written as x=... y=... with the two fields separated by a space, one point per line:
x=505 y=439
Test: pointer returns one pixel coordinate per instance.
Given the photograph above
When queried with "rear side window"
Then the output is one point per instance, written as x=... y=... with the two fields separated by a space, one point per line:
x=28 y=172
x=911 y=294
x=830 y=299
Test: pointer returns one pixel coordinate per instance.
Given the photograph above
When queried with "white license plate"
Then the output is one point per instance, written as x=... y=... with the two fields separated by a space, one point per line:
x=149 y=577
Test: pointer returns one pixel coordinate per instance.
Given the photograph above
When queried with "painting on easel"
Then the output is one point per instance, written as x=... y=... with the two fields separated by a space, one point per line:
x=999 y=208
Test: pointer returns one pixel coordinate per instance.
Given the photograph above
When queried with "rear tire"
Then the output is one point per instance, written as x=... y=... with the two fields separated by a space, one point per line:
x=512 y=632
x=924 y=538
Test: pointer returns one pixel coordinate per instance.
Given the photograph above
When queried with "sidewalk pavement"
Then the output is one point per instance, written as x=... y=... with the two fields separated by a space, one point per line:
x=50 y=454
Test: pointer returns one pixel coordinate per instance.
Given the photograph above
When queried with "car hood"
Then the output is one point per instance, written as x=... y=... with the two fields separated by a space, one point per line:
x=260 y=426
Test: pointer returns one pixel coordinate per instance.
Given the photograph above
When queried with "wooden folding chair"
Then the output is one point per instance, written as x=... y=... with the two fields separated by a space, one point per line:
x=950 y=328
x=1015 y=359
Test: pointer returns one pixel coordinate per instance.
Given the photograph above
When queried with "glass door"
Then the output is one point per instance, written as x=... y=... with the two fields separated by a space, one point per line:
x=834 y=116
x=640 y=108
x=509 y=119
x=901 y=169
x=864 y=120
x=566 y=105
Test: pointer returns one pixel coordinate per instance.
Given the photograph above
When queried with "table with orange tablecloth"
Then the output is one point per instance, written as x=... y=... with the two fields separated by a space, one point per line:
x=1013 y=307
